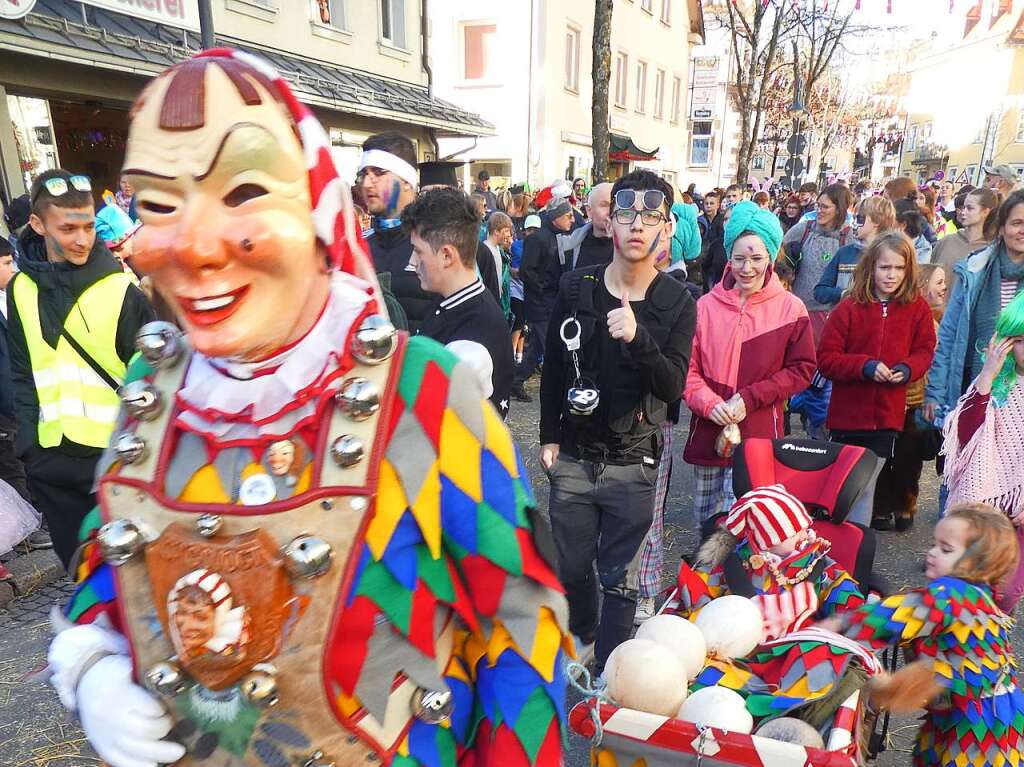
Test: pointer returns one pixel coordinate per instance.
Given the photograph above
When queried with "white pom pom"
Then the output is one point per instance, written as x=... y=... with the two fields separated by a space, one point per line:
x=732 y=627
x=645 y=676
x=679 y=635
x=791 y=730
x=717 y=707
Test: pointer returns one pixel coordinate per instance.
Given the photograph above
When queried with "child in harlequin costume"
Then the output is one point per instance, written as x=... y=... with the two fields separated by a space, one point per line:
x=956 y=630
x=315 y=543
x=767 y=551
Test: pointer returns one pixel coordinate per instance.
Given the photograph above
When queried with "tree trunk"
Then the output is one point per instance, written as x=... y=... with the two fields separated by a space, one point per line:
x=601 y=74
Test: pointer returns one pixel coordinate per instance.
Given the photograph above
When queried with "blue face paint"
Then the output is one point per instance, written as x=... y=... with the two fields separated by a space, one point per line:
x=396 y=191
x=654 y=245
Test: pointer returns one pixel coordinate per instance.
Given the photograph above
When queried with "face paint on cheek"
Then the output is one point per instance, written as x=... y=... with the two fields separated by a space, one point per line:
x=396 y=191
x=654 y=245
x=54 y=246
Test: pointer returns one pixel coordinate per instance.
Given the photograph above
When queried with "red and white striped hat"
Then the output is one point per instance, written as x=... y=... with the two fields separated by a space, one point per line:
x=333 y=212
x=767 y=516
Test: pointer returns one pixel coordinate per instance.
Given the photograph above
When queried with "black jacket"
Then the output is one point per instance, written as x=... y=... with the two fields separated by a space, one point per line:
x=391 y=251
x=472 y=314
x=637 y=381
x=60 y=285
x=6 y=387
x=713 y=256
x=540 y=262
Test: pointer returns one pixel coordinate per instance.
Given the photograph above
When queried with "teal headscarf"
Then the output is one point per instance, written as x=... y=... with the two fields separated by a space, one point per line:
x=748 y=216
x=686 y=240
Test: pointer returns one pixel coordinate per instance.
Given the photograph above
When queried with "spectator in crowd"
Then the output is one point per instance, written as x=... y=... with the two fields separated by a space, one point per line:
x=600 y=433
x=499 y=243
x=811 y=245
x=733 y=194
x=713 y=258
x=978 y=219
x=16 y=215
x=483 y=188
x=861 y=191
x=984 y=459
x=11 y=470
x=125 y=197
x=712 y=205
x=591 y=244
x=442 y=226
x=910 y=221
x=900 y=188
x=518 y=210
x=1001 y=179
x=945 y=196
x=532 y=223
x=753 y=350
x=762 y=199
x=579 y=196
x=790 y=213
x=874 y=216
x=926 y=207
x=685 y=245
x=983 y=285
x=807 y=194
x=72 y=318
x=878 y=339
x=539 y=251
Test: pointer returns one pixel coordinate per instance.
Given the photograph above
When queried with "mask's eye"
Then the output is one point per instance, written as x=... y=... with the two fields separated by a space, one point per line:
x=155 y=207
x=242 y=194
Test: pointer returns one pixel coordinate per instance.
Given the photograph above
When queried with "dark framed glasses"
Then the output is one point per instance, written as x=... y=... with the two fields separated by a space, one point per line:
x=58 y=186
x=859 y=220
x=651 y=199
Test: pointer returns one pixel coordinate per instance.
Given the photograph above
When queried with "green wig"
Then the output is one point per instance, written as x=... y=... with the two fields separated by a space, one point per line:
x=1009 y=325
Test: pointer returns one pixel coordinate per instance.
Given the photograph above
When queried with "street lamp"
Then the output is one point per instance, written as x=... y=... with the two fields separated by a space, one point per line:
x=797 y=111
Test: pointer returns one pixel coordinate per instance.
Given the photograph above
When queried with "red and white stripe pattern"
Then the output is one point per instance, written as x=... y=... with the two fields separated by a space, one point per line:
x=787 y=609
x=333 y=212
x=660 y=741
x=767 y=516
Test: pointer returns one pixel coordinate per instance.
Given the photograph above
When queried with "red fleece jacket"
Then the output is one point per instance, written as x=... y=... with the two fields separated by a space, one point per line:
x=858 y=334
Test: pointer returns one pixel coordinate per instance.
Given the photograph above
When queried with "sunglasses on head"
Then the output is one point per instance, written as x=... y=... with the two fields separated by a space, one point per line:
x=58 y=186
x=652 y=199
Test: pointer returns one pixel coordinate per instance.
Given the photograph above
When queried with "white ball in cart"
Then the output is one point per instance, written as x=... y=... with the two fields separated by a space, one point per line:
x=717 y=707
x=732 y=627
x=680 y=636
x=791 y=730
x=645 y=676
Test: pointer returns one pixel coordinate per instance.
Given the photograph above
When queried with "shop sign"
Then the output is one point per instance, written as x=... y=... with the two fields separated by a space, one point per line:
x=15 y=9
x=705 y=71
x=175 y=13
x=701 y=114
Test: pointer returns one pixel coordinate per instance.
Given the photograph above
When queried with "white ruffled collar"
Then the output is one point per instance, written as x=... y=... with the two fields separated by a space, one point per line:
x=218 y=386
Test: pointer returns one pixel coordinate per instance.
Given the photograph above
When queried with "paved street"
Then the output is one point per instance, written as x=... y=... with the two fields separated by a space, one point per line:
x=35 y=732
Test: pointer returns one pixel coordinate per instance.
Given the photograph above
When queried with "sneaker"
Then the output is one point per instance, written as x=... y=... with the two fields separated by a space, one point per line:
x=39 y=539
x=645 y=610
x=519 y=393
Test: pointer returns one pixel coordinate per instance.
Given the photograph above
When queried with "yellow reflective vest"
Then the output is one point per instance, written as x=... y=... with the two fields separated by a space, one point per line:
x=74 y=402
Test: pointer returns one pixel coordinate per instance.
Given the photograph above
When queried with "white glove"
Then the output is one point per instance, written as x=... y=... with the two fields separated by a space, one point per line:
x=123 y=722
x=477 y=357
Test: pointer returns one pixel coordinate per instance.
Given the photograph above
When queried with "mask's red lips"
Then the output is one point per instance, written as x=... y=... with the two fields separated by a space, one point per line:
x=210 y=310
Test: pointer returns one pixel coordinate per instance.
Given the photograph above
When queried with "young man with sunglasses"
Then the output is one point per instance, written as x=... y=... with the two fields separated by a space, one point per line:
x=617 y=352
x=72 y=318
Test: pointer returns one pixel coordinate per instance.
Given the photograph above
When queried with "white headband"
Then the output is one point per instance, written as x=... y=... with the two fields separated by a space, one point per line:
x=378 y=158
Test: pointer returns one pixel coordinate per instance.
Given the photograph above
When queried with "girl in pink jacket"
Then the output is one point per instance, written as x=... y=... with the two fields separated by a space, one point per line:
x=753 y=349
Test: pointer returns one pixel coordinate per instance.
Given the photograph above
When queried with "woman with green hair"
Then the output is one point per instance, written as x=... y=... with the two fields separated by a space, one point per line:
x=984 y=435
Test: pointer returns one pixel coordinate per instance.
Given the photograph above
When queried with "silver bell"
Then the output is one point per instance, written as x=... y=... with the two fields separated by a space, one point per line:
x=208 y=525
x=375 y=340
x=129 y=448
x=317 y=759
x=141 y=400
x=161 y=344
x=259 y=688
x=347 y=451
x=119 y=541
x=166 y=679
x=432 y=706
x=358 y=399
x=307 y=557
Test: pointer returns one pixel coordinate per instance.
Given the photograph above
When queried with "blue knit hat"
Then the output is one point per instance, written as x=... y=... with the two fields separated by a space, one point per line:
x=114 y=226
x=686 y=239
x=748 y=216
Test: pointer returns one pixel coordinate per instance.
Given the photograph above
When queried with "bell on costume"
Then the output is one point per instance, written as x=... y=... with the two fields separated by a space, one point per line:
x=119 y=541
x=141 y=400
x=358 y=398
x=375 y=340
x=161 y=344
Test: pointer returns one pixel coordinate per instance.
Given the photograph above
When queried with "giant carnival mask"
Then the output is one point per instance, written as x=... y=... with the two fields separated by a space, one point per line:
x=216 y=159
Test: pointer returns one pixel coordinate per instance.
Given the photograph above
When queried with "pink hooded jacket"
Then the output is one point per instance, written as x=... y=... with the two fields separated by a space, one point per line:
x=764 y=350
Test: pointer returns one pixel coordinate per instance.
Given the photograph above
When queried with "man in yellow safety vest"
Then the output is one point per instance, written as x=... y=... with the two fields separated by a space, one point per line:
x=72 y=319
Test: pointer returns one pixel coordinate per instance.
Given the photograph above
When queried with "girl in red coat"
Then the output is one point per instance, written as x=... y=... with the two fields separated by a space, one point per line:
x=877 y=340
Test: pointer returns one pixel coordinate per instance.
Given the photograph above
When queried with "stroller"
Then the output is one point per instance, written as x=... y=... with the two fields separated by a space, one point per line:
x=836 y=483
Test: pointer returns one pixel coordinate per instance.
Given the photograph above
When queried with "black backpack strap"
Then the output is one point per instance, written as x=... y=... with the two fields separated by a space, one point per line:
x=97 y=368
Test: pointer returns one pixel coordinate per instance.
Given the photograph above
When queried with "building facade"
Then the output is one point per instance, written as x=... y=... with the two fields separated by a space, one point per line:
x=526 y=67
x=964 y=108
x=70 y=70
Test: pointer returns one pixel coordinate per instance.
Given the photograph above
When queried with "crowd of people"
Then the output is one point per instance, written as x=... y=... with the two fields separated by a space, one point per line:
x=889 y=318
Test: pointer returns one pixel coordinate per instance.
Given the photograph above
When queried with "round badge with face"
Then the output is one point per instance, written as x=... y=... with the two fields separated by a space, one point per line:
x=203 y=619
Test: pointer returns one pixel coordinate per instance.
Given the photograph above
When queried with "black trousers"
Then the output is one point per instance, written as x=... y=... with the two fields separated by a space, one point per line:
x=62 y=488
x=600 y=513
x=11 y=469
x=532 y=352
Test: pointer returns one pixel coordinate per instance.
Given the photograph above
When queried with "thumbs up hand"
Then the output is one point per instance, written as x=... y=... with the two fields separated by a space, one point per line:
x=622 y=322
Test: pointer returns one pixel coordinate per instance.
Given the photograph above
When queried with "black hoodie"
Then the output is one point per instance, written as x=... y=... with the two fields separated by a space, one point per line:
x=60 y=285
